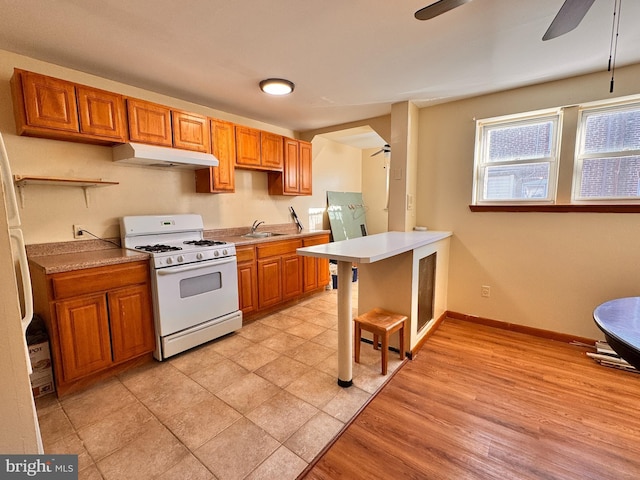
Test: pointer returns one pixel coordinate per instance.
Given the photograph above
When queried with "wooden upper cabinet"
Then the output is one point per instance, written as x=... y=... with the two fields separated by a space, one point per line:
x=296 y=176
x=258 y=150
x=305 y=168
x=271 y=150
x=191 y=131
x=101 y=113
x=43 y=103
x=48 y=107
x=291 y=170
x=149 y=122
x=247 y=147
x=220 y=179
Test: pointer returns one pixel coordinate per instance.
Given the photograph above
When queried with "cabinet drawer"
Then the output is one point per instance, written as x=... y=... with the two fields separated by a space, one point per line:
x=278 y=248
x=318 y=240
x=92 y=280
x=245 y=254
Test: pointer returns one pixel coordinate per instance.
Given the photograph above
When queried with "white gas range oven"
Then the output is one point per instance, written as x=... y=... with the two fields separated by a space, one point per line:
x=194 y=281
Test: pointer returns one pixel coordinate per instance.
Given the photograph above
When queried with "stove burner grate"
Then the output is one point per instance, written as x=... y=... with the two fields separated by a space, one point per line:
x=158 y=248
x=204 y=243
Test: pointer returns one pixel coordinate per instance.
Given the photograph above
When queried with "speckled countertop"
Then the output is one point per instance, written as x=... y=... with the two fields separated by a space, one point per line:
x=80 y=254
x=67 y=256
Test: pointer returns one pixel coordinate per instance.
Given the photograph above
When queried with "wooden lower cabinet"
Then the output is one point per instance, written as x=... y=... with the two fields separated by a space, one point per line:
x=98 y=319
x=291 y=276
x=269 y=282
x=83 y=330
x=247 y=279
x=272 y=273
x=316 y=270
x=131 y=335
x=279 y=272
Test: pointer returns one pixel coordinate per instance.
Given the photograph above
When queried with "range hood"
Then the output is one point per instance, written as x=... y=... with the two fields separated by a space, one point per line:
x=154 y=156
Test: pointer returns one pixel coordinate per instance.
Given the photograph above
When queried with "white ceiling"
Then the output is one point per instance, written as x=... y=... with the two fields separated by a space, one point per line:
x=350 y=59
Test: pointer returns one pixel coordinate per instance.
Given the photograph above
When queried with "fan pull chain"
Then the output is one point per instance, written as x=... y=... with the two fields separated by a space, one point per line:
x=613 y=48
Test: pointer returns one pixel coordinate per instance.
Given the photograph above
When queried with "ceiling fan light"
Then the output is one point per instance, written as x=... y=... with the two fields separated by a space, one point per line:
x=276 y=86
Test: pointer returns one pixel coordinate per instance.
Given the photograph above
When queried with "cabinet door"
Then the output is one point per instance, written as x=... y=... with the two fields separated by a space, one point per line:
x=247 y=287
x=132 y=332
x=305 y=168
x=291 y=155
x=101 y=113
x=269 y=282
x=324 y=277
x=291 y=276
x=310 y=278
x=247 y=147
x=149 y=123
x=220 y=179
x=316 y=270
x=191 y=131
x=83 y=329
x=49 y=102
x=223 y=137
x=271 y=151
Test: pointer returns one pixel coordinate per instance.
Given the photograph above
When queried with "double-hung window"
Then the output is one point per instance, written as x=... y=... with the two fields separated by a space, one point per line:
x=607 y=166
x=516 y=158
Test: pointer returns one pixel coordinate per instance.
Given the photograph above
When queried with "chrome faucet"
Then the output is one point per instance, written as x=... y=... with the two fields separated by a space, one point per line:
x=255 y=226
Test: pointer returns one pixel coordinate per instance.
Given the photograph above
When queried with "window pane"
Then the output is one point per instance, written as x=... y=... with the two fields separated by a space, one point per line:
x=521 y=142
x=611 y=177
x=517 y=182
x=614 y=131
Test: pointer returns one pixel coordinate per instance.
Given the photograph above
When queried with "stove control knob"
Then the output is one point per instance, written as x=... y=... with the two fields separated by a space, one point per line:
x=224 y=252
x=216 y=253
x=199 y=256
x=169 y=261
x=181 y=258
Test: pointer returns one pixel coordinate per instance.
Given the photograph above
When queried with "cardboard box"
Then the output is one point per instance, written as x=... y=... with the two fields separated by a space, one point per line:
x=42 y=376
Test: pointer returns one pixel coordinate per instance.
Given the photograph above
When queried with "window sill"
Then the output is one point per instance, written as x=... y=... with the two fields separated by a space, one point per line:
x=601 y=208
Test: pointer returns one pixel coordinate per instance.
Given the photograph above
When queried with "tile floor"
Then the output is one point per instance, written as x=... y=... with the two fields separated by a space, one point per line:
x=258 y=404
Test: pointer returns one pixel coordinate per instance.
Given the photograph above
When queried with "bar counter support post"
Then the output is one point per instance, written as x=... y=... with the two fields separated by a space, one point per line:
x=345 y=324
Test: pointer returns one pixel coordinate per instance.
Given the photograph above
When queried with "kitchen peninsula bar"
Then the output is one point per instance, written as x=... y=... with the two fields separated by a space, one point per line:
x=404 y=272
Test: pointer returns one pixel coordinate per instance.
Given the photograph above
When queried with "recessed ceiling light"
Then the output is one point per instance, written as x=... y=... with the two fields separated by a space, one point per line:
x=276 y=86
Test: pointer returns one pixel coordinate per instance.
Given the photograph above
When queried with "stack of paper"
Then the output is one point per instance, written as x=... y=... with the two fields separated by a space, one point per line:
x=605 y=355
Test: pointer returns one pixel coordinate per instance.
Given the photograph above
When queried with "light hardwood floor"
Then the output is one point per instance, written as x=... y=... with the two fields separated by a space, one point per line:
x=482 y=403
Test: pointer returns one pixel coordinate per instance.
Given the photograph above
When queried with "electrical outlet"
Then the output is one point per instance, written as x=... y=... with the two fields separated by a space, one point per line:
x=485 y=291
x=78 y=231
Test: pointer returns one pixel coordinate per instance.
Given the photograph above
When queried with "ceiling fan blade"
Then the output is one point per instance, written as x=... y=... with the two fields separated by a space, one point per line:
x=386 y=149
x=438 y=8
x=569 y=17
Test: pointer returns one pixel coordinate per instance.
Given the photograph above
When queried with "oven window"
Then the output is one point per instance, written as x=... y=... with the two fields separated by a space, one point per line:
x=201 y=284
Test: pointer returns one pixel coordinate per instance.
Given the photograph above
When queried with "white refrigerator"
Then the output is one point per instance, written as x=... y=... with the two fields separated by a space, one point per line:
x=20 y=433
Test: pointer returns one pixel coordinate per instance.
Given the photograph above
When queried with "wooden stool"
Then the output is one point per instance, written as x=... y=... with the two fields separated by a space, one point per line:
x=381 y=323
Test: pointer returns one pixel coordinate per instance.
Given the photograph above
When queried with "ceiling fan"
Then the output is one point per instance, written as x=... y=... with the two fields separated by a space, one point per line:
x=385 y=149
x=568 y=17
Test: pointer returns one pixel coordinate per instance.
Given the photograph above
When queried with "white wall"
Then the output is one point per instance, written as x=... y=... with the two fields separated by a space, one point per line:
x=546 y=270
x=373 y=190
x=49 y=211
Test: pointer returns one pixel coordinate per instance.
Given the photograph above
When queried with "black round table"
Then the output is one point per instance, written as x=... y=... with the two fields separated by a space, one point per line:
x=619 y=320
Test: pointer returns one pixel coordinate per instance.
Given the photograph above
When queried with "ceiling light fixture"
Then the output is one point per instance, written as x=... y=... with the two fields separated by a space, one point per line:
x=276 y=86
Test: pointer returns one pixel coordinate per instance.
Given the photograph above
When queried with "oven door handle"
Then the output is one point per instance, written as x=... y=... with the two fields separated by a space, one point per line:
x=195 y=266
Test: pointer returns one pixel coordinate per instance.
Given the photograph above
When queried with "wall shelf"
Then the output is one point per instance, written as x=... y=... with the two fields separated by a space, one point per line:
x=22 y=181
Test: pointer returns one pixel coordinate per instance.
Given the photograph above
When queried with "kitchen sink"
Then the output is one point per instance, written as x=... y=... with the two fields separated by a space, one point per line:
x=262 y=234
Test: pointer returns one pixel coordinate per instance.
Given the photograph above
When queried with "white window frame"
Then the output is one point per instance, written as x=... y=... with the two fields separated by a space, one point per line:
x=483 y=126
x=627 y=103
